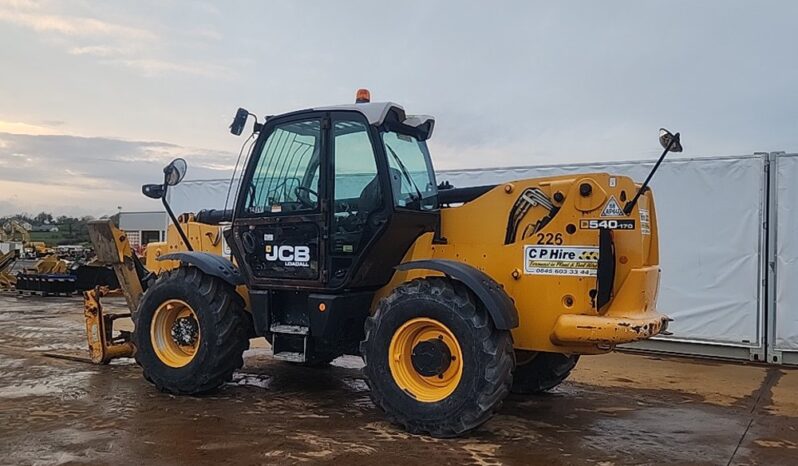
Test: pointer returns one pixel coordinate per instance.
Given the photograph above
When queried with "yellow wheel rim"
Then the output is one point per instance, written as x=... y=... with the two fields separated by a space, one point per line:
x=171 y=349
x=425 y=388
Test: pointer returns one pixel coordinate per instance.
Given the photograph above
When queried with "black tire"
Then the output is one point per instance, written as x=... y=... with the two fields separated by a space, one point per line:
x=224 y=329
x=486 y=351
x=543 y=372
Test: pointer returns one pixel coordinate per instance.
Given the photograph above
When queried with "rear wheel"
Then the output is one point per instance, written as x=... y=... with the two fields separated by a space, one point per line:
x=191 y=332
x=435 y=362
x=542 y=372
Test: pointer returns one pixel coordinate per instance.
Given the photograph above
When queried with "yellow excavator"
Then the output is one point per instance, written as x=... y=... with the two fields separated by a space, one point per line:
x=14 y=231
x=340 y=241
x=7 y=260
x=38 y=249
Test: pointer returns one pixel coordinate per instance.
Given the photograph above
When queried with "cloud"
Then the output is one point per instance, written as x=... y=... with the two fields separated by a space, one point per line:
x=40 y=128
x=112 y=43
x=99 y=50
x=73 y=25
x=81 y=175
x=153 y=67
x=19 y=127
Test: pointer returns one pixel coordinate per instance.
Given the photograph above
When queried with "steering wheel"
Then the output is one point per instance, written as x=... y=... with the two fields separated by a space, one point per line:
x=303 y=195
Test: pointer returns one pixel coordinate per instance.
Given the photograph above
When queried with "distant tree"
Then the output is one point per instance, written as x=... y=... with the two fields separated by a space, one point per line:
x=43 y=217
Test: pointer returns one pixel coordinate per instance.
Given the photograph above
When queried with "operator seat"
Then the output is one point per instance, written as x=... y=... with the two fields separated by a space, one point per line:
x=370 y=200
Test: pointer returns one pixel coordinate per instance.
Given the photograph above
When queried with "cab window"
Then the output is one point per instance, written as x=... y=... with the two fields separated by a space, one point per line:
x=357 y=186
x=286 y=178
x=412 y=178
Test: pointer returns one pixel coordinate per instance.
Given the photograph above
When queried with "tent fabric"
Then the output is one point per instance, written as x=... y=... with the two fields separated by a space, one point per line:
x=786 y=299
x=195 y=195
x=710 y=213
x=710 y=216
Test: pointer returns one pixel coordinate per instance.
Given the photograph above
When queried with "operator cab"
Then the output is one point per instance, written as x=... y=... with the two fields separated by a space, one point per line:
x=331 y=195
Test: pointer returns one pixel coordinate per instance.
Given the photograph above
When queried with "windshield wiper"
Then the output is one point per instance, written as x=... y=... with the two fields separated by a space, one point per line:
x=407 y=175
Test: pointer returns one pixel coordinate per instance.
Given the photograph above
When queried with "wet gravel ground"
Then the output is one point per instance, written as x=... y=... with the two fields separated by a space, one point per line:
x=616 y=409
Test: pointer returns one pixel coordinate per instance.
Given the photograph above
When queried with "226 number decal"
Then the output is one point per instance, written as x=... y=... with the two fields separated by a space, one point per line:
x=549 y=238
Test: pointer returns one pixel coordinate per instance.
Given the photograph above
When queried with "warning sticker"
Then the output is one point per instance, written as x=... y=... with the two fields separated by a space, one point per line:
x=612 y=209
x=645 y=222
x=580 y=261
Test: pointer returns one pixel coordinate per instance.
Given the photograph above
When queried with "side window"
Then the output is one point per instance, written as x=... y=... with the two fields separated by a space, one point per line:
x=286 y=178
x=357 y=189
x=410 y=171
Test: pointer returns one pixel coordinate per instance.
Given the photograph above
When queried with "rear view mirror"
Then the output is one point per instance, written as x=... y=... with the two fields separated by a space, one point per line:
x=153 y=191
x=240 y=120
x=665 y=138
x=174 y=172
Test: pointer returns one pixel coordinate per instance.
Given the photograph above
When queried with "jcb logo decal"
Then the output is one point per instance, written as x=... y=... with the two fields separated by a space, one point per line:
x=288 y=254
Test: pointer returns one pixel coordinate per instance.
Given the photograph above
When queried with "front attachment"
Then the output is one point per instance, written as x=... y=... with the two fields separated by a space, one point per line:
x=103 y=346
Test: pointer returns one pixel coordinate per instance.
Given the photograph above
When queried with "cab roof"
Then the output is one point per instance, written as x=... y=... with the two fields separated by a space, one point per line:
x=376 y=112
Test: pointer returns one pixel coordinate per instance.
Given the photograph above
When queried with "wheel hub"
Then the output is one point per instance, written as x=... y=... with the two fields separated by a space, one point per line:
x=425 y=359
x=185 y=331
x=175 y=333
x=431 y=357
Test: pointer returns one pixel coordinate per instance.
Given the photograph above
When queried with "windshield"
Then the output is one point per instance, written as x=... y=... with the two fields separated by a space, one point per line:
x=412 y=177
x=286 y=177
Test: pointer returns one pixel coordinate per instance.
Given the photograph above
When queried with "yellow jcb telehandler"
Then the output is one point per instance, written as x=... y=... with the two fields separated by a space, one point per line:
x=341 y=242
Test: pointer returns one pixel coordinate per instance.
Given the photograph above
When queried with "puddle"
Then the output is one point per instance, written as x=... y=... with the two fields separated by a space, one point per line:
x=251 y=380
x=70 y=385
x=348 y=362
x=356 y=385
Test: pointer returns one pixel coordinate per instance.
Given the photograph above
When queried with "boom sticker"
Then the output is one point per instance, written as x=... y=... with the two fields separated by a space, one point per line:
x=645 y=222
x=580 y=261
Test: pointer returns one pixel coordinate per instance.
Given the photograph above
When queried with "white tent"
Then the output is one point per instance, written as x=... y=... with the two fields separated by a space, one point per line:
x=713 y=218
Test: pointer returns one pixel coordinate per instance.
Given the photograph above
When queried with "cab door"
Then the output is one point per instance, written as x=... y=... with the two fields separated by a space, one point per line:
x=358 y=208
x=280 y=223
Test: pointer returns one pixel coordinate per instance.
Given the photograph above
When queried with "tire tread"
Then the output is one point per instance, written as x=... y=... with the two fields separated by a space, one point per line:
x=496 y=349
x=226 y=309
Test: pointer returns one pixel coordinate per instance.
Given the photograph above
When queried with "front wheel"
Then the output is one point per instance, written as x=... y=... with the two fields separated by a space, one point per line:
x=435 y=362
x=191 y=331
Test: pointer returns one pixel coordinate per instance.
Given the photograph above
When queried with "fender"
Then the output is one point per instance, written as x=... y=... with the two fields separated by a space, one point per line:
x=498 y=303
x=211 y=264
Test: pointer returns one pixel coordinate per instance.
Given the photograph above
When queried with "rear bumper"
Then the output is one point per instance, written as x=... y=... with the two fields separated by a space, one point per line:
x=595 y=330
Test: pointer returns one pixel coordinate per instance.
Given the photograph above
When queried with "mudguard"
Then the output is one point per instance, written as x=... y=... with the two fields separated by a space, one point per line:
x=498 y=303
x=211 y=264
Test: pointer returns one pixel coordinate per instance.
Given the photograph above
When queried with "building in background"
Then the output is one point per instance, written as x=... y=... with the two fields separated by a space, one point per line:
x=143 y=228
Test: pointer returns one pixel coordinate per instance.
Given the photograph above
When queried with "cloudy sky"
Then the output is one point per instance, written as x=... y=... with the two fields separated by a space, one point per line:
x=95 y=97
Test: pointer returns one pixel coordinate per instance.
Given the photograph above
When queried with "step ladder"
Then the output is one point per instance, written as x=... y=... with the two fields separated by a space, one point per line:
x=289 y=342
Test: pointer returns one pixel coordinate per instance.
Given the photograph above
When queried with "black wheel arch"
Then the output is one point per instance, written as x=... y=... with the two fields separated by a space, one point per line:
x=210 y=264
x=498 y=303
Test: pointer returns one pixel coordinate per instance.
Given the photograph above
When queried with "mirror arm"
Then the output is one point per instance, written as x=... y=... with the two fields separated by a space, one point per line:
x=627 y=209
x=172 y=216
